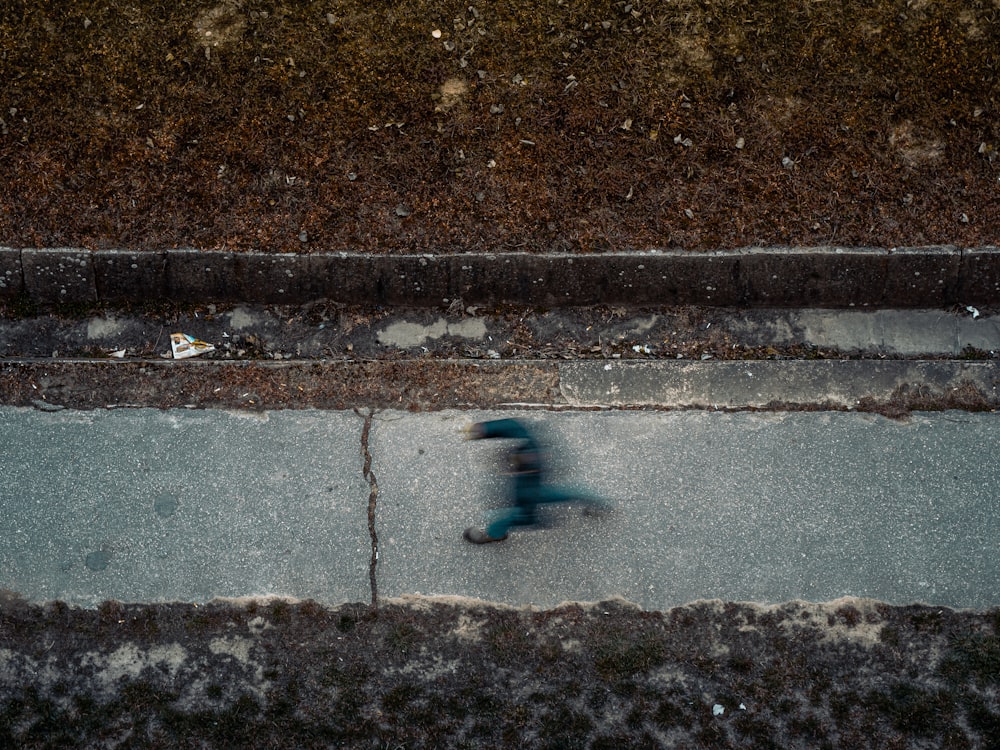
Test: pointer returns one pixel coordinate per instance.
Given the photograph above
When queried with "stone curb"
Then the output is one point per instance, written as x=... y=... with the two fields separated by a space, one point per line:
x=431 y=385
x=758 y=384
x=790 y=277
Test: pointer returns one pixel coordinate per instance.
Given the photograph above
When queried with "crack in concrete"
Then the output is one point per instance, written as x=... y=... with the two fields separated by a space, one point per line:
x=369 y=476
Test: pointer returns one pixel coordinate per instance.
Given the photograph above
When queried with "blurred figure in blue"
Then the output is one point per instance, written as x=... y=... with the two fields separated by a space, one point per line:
x=528 y=485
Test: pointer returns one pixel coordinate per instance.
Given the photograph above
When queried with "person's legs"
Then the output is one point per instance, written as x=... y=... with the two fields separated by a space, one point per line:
x=524 y=512
x=502 y=428
x=563 y=494
x=517 y=515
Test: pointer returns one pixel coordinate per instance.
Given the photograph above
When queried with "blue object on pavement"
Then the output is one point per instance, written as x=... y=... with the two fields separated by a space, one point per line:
x=529 y=488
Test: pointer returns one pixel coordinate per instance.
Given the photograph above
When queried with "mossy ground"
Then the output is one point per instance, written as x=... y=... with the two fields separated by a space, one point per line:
x=444 y=125
x=425 y=673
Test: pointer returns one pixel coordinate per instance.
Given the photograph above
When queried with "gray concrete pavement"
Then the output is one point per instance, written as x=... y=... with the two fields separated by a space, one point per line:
x=897 y=333
x=758 y=383
x=145 y=505
x=734 y=506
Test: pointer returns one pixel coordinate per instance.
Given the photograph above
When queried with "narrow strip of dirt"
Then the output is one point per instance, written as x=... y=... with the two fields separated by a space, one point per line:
x=415 y=385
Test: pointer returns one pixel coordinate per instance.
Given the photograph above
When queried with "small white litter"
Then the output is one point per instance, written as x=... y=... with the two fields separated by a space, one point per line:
x=185 y=346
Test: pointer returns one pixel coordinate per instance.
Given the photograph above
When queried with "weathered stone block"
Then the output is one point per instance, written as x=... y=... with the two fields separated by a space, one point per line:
x=813 y=277
x=59 y=276
x=979 y=277
x=922 y=276
x=11 y=276
x=127 y=276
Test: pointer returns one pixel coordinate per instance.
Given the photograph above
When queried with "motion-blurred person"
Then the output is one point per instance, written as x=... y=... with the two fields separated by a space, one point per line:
x=528 y=485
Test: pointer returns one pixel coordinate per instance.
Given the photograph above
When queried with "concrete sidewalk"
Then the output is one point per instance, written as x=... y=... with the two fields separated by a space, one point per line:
x=144 y=505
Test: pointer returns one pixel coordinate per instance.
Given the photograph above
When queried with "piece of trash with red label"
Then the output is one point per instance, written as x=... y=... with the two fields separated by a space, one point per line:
x=185 y=346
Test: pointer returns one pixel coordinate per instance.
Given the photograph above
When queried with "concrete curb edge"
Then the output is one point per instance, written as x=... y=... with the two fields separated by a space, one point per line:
x=759 y=384
x=432 y=385
x=934 y=276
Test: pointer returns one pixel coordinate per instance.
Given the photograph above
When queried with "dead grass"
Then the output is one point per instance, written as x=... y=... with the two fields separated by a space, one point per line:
x=582 y=126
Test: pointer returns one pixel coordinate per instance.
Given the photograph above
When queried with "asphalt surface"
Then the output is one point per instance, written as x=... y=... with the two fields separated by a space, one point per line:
x=150 y=505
